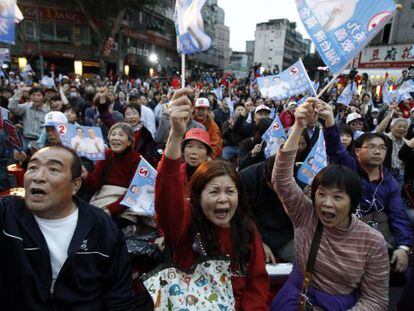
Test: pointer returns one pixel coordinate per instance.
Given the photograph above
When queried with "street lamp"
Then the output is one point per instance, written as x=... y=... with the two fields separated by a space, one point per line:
x=126 y=70
x=153 y=58
x=22 y=62
x=78 y=67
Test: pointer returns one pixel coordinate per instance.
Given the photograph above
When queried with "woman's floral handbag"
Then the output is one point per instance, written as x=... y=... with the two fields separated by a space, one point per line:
x=206 y=287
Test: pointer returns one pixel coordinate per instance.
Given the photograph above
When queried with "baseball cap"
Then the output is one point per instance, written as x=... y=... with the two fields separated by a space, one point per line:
x=261 y=108
x=202 y=102
x=197 y=134
x=352 y=117
x=374 y=110
x=54 y=117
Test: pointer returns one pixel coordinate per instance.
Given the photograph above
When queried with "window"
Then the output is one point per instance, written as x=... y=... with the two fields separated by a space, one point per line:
x=63 y=33
x=30 y=31
x=47 y=31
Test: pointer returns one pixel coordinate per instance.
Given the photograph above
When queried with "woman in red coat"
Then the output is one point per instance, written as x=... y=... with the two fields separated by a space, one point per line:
x=216 y=212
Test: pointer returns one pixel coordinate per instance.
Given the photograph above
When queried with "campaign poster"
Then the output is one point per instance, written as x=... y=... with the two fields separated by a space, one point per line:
x=140 y=195
x=86 y=141
x=13 y=135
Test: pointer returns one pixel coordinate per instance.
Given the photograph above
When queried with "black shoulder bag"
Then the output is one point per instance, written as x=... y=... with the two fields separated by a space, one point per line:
x=304 y=302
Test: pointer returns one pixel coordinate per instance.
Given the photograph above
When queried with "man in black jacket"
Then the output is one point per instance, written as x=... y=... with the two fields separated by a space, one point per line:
x=271 y=219
x=59 y=253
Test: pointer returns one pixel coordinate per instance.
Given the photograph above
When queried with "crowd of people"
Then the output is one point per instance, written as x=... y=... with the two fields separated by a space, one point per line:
x=70 y=242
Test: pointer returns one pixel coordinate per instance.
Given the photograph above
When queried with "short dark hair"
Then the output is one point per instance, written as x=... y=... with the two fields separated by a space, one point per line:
x=76 y=165
x=368 y=137
x=341 y=177
x=55 y=98
x=132 y=106
x=36 y=90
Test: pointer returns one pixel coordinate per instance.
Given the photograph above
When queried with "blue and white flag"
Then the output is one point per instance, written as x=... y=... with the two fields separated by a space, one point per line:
x=86 y=141
x=274 y=137
x=189 y=27
x=315 y=161
x=140 y=195
x=290 y=82
x=7 y=18
x=403 y=93
x=346 y=96
x=341 y=29
x=387 y=94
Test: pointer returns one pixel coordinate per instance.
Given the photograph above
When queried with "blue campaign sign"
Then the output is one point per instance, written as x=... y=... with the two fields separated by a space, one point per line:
x=274 y=137
x=7 y=14
x=140 y=195
x=346 y=96
x=315 y=161
x=290 y=82
x=189 y=27
x=341 y=29
x=86 y=141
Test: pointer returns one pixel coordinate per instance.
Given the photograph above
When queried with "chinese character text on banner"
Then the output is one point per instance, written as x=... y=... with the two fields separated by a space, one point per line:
x=340 y=29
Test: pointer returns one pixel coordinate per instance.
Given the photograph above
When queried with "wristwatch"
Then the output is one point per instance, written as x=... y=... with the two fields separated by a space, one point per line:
x=406 y=248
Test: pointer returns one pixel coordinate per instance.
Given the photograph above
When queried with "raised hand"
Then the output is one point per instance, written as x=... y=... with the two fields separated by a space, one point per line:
x=180 y=112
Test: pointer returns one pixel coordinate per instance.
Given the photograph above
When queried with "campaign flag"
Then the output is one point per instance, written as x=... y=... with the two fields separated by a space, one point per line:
x=346 y=96
x=86 y=141
x=341 y=29
x=219 y=92
x=189 y=26
x=13 y=135
x=290 y=82
x=315 y=161
x=274 y=137
x=7 y=16
x=407 y=86
x=140 y=195
x=4 y=115
x=315 y=86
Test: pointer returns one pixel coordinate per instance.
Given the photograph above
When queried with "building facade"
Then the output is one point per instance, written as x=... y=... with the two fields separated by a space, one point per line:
x=278 y=43
x=390 y=50
x=53 y=35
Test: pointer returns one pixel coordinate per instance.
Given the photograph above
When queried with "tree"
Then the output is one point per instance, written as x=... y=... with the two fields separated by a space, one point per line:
x=312 y=62
x=105 y=18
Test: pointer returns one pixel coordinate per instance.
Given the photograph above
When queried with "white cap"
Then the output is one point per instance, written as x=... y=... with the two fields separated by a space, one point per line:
x=374 y=110
x=261 y=107
x=291 y=104
x=352 y=117
x=55 y=117
x=202 y=103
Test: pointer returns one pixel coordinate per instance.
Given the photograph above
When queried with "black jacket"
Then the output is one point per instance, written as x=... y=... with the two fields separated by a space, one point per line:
x=95 y=276
x=271 y=219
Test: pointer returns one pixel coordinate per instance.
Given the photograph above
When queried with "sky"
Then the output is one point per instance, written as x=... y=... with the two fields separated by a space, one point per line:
x=243 y=15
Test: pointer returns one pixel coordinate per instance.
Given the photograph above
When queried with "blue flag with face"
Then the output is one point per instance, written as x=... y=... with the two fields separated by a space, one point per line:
x=290 y=82
x=315 y=161
x=274 y=137
x=341 y=29
x=140 y=195
x=189 y=27
x=7 y=17
x=346 y=96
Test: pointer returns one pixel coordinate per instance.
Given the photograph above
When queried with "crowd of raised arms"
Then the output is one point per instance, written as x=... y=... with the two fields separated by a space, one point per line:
x=70 y=241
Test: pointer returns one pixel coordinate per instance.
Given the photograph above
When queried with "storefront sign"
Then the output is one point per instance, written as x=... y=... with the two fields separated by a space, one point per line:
x=388 y=56
x=52 y=14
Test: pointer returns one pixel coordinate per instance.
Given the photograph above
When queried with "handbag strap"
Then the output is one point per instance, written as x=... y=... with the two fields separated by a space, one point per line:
x=310 y=265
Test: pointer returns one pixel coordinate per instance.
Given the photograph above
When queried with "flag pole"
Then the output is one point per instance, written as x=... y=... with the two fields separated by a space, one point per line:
x=329 y=84
x=183 y=70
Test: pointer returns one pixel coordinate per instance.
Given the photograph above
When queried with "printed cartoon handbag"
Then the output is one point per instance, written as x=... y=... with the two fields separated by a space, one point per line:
x=206 y=287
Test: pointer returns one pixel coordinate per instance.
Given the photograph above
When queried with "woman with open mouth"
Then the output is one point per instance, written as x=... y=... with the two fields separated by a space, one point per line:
x=350 y=266
x=213 y=219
